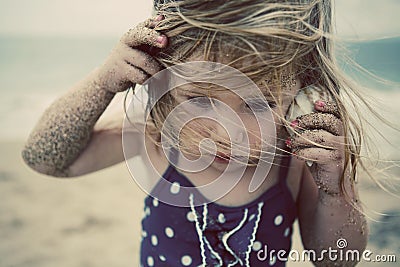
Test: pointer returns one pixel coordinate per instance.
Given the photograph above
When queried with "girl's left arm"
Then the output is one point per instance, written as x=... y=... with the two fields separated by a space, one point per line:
x=329 y=224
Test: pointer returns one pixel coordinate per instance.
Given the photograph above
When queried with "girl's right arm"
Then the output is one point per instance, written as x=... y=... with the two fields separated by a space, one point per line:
x=64 y=142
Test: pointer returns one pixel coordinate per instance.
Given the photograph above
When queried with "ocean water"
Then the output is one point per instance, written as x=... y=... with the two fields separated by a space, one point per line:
x=380 y=57
x=36 y=70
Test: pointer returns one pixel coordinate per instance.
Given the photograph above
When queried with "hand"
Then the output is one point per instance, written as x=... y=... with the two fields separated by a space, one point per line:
x=319 y=139
x=130 y=62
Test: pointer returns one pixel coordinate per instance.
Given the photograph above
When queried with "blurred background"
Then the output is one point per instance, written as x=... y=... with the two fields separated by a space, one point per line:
x=46 y=46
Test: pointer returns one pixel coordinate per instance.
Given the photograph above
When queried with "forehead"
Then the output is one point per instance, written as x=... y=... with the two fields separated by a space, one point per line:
x=246 y=70
x=243 y=80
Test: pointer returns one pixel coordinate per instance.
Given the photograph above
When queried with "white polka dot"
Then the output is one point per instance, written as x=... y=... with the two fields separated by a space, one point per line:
x=175 y=187
x=221 y=218
x=252 y=216
x=272 y=260
x=150 y=261
x=186 y=260
x=144 y=234
x=287 y=232
x=162 y=258
x=154 y=240
x=147 y=211
x=257 y=246
x=190 y=216
x=278 y=220
x=155 y=202
x=169 y=232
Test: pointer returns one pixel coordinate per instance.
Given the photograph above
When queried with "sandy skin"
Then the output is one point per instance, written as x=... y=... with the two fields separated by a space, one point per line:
x=66 y=127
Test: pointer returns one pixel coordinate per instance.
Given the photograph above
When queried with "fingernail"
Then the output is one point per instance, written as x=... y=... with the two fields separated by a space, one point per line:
x=288 y=142
x=160 y=39
x=294 y=123
x=320 y=103
x=159 y=18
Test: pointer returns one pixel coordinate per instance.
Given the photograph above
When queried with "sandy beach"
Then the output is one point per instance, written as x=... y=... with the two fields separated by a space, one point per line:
x=95 y=220
x=90 y=221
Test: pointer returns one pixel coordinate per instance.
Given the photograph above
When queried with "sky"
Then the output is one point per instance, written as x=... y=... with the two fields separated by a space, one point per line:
x=355 y=18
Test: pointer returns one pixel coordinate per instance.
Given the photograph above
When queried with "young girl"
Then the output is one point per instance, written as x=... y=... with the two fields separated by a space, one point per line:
x=284 y=48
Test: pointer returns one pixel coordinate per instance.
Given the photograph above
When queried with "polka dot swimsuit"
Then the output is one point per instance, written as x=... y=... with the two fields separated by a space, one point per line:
x=212 y=234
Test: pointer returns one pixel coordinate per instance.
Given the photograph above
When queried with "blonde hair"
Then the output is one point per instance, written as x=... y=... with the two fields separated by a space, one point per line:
x=277 y=36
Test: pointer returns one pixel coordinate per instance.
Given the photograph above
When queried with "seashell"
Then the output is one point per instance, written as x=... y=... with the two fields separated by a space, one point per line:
x=303 y=103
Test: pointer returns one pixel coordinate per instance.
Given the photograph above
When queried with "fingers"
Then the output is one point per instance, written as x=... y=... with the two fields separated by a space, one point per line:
x=327 y=107
x=141 y=60
x=315 y=138
x=318 y=155
x=137 y=44
x=152 y=22
x=319 y=135
x=131 y=61
x=318 y=120
x=318 y=145
x=320 y=139
x=135 y=75
x=144 y=34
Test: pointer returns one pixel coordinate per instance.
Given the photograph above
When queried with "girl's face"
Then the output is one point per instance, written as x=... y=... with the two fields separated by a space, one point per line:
x=230 y=122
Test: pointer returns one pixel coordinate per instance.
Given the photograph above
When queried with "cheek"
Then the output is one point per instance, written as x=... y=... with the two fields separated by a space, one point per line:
x=199 y=128
x=190 y=136
x=254 y=132
x=192 y=133
x=196 y=130
x=280 y=129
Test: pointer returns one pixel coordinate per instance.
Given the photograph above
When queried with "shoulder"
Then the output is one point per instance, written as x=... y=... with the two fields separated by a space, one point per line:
x=149 y=166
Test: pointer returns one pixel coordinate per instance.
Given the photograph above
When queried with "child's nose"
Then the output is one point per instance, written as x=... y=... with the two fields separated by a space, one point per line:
x=230 y=131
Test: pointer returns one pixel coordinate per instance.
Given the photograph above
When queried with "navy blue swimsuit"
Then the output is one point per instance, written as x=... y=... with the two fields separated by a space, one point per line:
x=216 y=235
